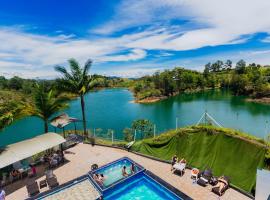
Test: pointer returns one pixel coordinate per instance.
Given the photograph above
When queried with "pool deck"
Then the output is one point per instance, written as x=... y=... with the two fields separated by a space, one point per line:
x=84 y=155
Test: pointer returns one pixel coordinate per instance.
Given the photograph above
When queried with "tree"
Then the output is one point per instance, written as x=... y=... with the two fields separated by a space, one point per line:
x=228 y=64
x=144 y=126
x=3 y=82
x=207 y=68
x=128 y=134
x=77 y=81
x=216 y=67
x=47 y=104
x=240 y=67
x=15 y=83
x=10 y=111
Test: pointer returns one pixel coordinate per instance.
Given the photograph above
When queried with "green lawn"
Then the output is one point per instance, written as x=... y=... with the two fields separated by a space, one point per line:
x=225 y=151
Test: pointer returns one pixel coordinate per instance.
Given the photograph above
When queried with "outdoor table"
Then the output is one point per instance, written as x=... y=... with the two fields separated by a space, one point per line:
x=179 y=166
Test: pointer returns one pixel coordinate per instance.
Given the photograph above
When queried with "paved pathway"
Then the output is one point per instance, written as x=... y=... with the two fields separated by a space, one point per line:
x=84 y=155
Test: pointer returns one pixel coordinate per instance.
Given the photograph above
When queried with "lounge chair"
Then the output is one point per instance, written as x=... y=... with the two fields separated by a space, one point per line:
x=52 y=182
x=32 y=188
x=205 y=177
x=128 y=145
x=217 y=190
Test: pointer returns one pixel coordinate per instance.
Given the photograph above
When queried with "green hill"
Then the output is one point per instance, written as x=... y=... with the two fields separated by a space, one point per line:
x=225 y=151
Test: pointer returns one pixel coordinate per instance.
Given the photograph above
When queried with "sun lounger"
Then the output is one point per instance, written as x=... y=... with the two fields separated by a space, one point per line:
x=52 y=182
x=129 y=144
x=32 y=188
x=217 y=190
x=205 y=177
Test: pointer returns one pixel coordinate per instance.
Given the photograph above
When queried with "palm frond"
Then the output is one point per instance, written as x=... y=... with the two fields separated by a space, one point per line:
x=87 y=67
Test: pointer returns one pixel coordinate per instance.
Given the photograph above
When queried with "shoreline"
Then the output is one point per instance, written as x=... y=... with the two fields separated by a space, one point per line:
x=149 y=100
x=264 y=100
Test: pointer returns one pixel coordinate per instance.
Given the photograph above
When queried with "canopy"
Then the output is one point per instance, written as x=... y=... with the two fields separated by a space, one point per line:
x=24 y=149
x=62 y=120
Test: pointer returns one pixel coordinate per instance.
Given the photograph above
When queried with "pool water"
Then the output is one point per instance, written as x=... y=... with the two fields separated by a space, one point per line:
x=113 y=172
x=140 y=188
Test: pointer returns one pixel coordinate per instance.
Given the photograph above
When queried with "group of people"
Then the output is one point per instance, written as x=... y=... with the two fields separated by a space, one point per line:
x=100 y=178
x=176 y=160
x=132 y=170
x=54 y=158
x=221 y=181
x=15 y=173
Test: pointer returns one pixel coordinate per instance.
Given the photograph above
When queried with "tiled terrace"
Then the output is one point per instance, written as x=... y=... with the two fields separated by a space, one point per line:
x=84 y=155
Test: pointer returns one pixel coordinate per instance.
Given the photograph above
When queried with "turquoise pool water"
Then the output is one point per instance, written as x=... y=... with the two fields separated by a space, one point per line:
x=141 y=188
x=113 y=172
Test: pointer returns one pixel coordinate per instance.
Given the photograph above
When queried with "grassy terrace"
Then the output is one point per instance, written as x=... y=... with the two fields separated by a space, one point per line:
x=225 y=151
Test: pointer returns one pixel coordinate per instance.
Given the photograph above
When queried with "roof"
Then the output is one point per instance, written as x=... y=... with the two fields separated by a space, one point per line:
x=24 y=149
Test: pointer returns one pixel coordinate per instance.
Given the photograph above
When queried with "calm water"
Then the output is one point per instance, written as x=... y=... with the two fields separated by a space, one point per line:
x=113 y=109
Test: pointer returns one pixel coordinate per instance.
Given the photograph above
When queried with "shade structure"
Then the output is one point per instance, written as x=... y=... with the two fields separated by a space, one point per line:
x=62 y=120
x=27 y=148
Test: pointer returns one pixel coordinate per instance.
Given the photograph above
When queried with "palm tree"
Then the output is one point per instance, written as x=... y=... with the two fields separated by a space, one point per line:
x=47 y=104
x=77 y=81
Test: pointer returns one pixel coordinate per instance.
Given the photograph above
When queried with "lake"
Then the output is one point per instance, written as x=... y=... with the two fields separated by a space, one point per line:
x=113 y=109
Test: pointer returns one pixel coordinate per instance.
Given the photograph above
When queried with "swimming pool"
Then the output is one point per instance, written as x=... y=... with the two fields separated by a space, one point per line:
x=140 y=187
x=113 y=172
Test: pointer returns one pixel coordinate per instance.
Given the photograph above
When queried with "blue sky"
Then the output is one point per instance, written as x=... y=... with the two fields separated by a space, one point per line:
x=130 y=38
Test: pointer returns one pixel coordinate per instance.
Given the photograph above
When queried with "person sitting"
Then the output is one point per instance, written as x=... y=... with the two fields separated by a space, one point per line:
x=53 y=162
x=132 y=168
x=182 y=161
x=33 y=170
x=14 y=173
x=102 y=178
x=2 y=194
x=97 y=179
x=222 y=182
x=124 y=171
x=174 y=160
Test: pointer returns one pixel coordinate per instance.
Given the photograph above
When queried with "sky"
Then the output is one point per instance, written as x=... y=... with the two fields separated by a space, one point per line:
x=130 y=38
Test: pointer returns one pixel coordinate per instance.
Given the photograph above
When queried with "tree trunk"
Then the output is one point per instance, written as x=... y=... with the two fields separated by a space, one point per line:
x=46 y=128
x=83 y=116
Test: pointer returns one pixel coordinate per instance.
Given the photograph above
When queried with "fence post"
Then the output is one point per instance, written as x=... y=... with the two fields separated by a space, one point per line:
x=154 y=130
x=112 y=136
x=176 y=123
x=135 y=135
x=94 y=132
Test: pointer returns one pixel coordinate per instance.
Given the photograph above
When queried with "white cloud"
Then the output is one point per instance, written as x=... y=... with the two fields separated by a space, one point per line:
x=20 y=50
x=208 y=23
x=218 y=22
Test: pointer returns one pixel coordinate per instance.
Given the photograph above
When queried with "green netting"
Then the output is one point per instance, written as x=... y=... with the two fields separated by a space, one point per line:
x=225 y=155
